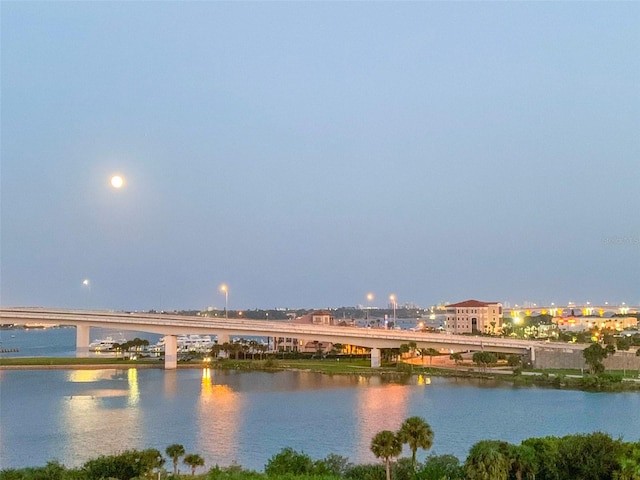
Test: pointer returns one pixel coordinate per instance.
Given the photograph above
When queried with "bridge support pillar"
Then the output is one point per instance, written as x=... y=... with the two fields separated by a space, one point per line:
x=532 y=356
x=375 y=358
x=170 y=352
x=82 y=340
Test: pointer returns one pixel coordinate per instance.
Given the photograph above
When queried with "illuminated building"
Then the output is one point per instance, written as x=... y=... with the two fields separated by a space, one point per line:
x=473 y=316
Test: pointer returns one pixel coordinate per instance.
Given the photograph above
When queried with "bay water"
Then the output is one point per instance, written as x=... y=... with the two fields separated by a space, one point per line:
x=246 y=417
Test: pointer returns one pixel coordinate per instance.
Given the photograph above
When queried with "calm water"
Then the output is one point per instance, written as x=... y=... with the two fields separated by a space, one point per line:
x=56 y=342
x=247 y=417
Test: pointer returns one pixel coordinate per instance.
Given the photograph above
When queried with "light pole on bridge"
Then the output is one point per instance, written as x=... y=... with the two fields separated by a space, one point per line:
x=392 y=297
x=369 y=300
x=224 y=289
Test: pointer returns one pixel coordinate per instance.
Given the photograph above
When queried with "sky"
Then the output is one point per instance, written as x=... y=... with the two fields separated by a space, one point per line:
x=306 y=154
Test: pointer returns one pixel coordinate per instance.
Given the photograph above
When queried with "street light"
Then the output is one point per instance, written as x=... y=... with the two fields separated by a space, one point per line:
x=392 y=297
x=224 y=289
x=86 y=284
x=369 y=300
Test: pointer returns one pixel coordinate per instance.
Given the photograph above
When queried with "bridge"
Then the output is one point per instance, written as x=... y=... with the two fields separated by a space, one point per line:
x=570 y=309
x=173 y=325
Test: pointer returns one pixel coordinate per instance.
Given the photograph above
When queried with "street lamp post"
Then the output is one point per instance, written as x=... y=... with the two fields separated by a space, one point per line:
x=224 y=289
x=369 y=300
x=392 y=297
x=86 y=284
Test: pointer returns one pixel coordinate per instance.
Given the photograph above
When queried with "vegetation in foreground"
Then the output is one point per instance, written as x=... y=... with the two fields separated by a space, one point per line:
x=594 y=456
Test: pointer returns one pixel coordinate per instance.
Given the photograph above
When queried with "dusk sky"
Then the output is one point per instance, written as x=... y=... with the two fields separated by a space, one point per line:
x=307 y=153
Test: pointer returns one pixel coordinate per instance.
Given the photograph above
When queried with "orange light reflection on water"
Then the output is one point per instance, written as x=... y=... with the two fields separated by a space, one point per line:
x=94 y=430
x=382 y=407
x=219 y=420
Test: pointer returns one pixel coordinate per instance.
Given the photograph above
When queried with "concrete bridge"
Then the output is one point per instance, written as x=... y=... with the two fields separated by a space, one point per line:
x=570 y=309
x=173 y=325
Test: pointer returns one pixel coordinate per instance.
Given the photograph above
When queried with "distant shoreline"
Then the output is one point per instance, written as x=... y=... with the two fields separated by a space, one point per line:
x=548 y=379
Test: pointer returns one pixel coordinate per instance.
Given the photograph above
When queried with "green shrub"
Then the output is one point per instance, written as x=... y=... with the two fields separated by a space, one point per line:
x=404 y=367
x=366 y=472
x=271 y=363
x=289 y=461
x=234 y=472
x=332 y=464
x=125 y=466
x=439 y=467
x=609 y=377
x=51 y=471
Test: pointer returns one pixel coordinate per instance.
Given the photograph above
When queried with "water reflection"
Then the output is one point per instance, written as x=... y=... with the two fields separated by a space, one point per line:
x=87 y=376
x=248 y=417
x=134 y=390
x=381 y=407
x=218 y=419
x=99 y=420
x=170 y=379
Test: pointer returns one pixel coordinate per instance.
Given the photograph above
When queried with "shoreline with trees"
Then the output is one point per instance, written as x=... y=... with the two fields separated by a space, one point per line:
x=483 y=366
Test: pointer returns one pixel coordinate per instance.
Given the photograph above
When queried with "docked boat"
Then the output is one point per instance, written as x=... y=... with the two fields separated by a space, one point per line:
x=195 y=343
x=105 y=344
x=187 y=343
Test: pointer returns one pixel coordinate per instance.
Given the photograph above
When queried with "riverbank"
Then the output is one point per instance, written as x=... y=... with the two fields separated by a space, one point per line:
x=394 y=372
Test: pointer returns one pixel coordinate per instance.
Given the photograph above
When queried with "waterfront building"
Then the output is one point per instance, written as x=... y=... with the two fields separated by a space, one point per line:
x=284 y=344
x=317 y=317
x=575 y=323
x=291 y=344
x=473 y=316
x=317 y=347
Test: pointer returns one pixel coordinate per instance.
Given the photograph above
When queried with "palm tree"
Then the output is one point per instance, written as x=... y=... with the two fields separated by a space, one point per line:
x=216 y=348
x=523 y=461
x=253 y=346
x=456 y=357
x=174 y=452
x=193 y=460
x=152 y=458
x=487 y=461
x=418 y=434
x=431 y=352
x=244 y=348
x=412 y=348
x=227 y=348
x=386 y=445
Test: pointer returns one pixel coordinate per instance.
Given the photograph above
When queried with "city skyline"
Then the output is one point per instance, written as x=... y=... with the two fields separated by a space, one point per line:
x=306 y=154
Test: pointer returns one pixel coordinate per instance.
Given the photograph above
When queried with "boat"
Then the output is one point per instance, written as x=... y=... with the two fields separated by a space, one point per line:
x=187 y=343
x=194 y=343
x=105 y=344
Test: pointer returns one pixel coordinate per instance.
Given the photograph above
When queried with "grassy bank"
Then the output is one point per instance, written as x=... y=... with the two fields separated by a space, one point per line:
x=72 y=362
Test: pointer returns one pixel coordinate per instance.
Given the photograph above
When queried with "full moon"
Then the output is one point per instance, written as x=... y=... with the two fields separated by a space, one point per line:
x=117 y=181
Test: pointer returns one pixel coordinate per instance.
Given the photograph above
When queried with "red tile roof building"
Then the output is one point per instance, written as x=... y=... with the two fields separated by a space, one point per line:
x=318 y=317
x=473 y=316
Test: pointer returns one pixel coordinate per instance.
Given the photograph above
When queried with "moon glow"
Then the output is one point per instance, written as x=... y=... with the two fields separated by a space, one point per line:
x=117 y=181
